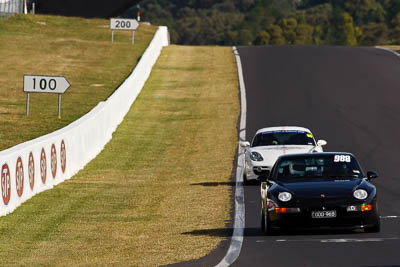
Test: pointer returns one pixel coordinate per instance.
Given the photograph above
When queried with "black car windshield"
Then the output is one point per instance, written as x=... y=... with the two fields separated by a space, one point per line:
x=283 y=137
x=313 y=166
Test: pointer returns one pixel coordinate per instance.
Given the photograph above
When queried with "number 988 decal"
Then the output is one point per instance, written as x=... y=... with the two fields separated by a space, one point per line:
x=342 y=158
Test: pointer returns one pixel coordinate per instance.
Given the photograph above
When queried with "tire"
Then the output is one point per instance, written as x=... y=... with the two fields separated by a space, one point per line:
x=266 y=225
x=373 y=229
x=262 y=223
x=245 y=182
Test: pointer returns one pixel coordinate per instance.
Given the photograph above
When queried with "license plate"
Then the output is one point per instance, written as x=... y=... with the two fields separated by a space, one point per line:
x=324 y=214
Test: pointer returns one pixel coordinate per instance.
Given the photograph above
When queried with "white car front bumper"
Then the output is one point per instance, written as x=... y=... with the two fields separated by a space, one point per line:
x=254 y=170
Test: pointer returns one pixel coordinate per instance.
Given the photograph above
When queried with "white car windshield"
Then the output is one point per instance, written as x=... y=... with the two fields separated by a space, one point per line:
x=283 y=137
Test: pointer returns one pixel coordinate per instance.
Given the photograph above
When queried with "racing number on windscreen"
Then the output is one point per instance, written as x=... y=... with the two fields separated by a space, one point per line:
x=342 y=158
x=43 y=84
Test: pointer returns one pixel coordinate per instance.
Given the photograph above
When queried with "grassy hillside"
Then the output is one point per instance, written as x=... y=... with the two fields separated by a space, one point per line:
x=78 y=49
x=159 y=192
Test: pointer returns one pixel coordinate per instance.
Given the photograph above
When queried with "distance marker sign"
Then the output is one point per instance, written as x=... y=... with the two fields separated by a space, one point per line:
x=45 y=84
x=123 y=24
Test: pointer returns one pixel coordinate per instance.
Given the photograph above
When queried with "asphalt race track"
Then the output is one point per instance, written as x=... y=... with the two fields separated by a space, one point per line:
x=349 y=97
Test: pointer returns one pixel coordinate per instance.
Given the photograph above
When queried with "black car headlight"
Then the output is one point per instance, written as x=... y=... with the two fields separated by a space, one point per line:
x=284 y=196
x=255 y=156
x=360 y=194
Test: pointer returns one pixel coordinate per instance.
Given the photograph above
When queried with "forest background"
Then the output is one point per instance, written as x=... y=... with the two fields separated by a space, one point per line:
x=275 y=22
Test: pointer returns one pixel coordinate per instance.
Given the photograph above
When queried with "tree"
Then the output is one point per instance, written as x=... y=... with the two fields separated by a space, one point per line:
x=395 y=31
x=262 y=38
x=234 y=22
x=358 y=33
x=265 y=12
x=304 y=34
x=245 y=37
x=244 y=5
x=395 y=35
x=319 y=15
x=348 y=36
x=275 y=33
x=310 y=3
x=289 y=26
x=317 y=35
x=342 y=32
x=392 y=8
x=396 y=20
x=374 y=34
x=364 y=11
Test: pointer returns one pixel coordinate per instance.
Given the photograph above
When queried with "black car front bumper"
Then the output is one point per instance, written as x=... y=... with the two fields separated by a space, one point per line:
x=344 y=219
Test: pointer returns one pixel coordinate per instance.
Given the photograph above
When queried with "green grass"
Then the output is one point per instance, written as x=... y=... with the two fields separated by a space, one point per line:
x=393 y=47
x=159 y=192
x=80 y=50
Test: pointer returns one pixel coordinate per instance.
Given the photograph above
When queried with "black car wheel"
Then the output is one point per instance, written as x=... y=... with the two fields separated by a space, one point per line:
x=262 y=222
x=265 y=225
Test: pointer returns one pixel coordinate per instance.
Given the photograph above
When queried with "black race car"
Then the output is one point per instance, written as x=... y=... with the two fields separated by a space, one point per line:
x=319 y=190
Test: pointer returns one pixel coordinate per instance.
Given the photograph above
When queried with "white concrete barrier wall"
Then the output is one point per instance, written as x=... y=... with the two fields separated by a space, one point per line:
x=38 y=165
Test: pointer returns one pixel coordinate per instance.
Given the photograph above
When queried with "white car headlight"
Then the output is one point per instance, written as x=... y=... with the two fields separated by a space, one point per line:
x=284 y=196
x=255 y=156
x=360 y=194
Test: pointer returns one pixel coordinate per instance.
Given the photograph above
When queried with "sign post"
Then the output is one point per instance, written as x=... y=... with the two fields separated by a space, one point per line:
x=59 y=106
x=45 y=84
x=123 y=24
x=27 y=104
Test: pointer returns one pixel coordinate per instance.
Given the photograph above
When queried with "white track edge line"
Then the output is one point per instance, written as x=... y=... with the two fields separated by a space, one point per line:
x=239 y=219
x=389 y=50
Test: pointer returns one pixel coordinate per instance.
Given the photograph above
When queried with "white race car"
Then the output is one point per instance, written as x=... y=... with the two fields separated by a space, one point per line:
x=270 y=143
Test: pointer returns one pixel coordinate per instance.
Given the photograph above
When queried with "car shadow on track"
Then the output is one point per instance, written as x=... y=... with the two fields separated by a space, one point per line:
x=256 y=231
x=319 y=232
x=224 y=232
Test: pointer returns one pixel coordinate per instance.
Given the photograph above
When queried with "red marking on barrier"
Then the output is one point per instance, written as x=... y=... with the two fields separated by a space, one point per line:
x=5 y=184
x=53 y=161
x=63 y=156
x=31 y=170
x=43 y=166
x=19 y=176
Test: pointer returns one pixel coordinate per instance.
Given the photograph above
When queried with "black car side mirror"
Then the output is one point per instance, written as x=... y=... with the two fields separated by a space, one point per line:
x=372 y=175
x=264 y=179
